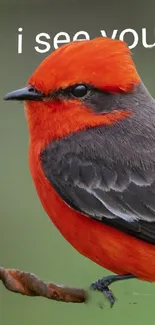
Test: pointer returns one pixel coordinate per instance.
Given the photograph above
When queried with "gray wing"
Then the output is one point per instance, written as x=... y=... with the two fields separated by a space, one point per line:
x=113 y=193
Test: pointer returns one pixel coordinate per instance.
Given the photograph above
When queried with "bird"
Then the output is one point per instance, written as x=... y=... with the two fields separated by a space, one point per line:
x=91 y=125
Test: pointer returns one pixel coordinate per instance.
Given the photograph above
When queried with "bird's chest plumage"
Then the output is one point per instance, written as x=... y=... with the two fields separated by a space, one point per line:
x=105 y=245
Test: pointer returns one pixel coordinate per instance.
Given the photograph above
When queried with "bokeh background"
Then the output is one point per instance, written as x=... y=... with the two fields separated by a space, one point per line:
x=28 y=239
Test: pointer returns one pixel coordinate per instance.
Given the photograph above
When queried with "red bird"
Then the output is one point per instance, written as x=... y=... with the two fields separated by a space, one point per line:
x=92 y=155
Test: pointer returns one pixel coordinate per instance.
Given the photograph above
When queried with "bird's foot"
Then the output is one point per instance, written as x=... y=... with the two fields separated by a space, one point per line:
x=103 y=284
x=104 y=289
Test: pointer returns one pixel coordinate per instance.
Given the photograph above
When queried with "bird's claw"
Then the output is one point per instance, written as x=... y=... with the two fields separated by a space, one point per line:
x=102 y=287
x=103 y=284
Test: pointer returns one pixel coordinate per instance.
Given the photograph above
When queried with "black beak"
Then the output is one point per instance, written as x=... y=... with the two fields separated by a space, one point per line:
x=27 y=93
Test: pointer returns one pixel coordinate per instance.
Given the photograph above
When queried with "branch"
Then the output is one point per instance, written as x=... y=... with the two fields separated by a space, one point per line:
x=30 y=285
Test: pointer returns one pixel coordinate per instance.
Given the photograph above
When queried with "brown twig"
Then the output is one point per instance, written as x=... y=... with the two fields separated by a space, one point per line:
x=30 y=285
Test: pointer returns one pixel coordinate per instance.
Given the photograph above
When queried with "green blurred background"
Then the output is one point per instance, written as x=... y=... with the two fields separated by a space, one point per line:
x=28 y=239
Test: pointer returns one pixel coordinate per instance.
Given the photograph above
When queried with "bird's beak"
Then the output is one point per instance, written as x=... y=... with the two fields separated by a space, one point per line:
x=27 y=93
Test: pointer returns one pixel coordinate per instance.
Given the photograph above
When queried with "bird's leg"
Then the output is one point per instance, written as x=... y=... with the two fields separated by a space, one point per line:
x=103 y=284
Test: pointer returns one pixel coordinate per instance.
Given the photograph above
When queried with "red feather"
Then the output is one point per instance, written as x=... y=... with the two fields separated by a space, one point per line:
x=102 y=62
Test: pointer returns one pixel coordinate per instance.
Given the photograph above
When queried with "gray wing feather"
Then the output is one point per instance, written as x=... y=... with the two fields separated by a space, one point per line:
x=115 y=186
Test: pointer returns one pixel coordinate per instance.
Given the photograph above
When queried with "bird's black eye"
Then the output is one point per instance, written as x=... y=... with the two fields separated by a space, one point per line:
x=79 y=90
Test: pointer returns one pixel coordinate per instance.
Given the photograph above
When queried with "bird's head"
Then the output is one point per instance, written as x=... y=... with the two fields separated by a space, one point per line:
x=78 y=86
